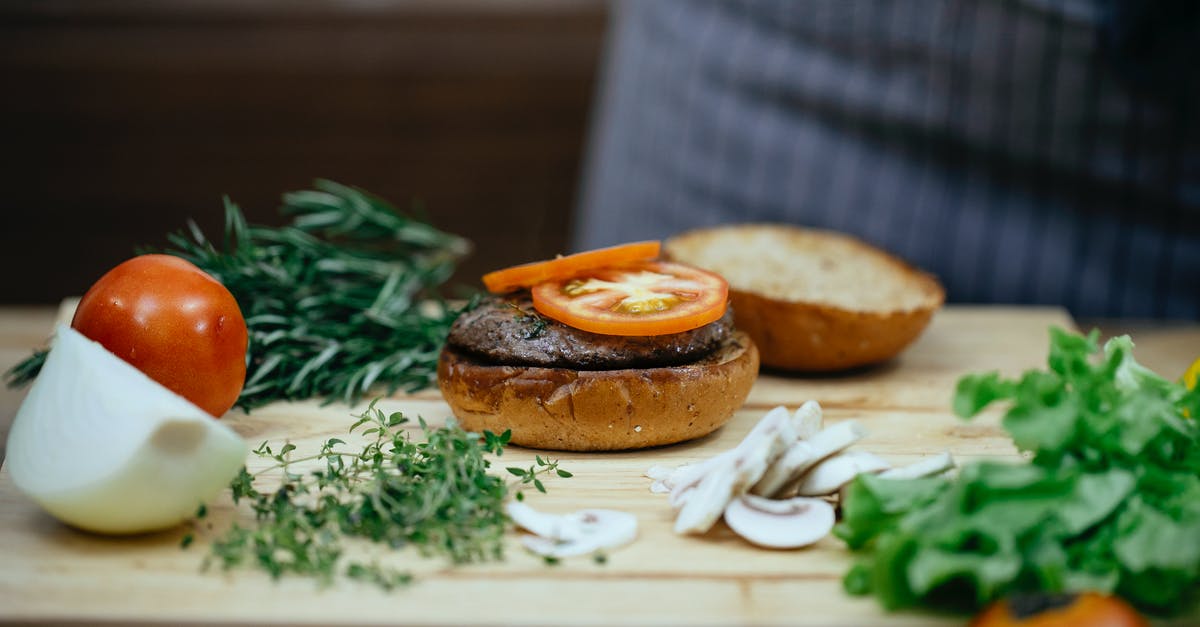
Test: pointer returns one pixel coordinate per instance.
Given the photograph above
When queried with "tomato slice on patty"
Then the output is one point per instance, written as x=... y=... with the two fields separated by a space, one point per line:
x=641 y=298
x=530 y=274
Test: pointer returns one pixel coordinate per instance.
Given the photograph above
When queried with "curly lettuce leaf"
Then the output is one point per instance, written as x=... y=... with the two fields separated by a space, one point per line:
x=1110 y=500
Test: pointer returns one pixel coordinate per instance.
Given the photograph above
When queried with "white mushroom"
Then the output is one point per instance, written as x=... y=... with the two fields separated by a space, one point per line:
x=830 y=475
x=799 y=457
x=776 y=524
x=704 y=503
x=807 y=420
x=538 y=523
x=666 y=478
x=778 y=418
x=928 y=467
x=782 y=454
x=733 y=474
x=687 y=477
x=802 y=455
x=690 y=475
x=577 y=533
x=775 y=428
x=659 y=473
x=661 y=476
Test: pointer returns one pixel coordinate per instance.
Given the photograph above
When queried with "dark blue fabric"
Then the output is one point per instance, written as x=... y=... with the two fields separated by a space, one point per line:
x=1000 y=144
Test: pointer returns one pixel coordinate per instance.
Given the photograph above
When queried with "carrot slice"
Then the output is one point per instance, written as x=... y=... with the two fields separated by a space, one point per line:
x=530 y=274
x=641 y=298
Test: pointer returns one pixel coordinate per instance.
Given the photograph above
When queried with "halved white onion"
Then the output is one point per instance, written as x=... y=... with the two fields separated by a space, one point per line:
x=101 y=446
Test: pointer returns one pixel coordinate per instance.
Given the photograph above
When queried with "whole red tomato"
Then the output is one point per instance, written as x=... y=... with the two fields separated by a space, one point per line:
x=173 y=322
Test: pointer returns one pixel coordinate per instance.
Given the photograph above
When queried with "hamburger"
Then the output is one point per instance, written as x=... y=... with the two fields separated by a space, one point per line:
x=605 y=350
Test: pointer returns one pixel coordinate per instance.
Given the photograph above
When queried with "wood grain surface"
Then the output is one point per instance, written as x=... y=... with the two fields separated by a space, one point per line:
x=53 y=573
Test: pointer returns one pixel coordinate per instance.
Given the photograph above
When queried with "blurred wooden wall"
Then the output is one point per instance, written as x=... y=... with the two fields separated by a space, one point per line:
x=121 y=119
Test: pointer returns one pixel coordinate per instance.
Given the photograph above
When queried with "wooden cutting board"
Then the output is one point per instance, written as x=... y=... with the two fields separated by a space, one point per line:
x=51 y=572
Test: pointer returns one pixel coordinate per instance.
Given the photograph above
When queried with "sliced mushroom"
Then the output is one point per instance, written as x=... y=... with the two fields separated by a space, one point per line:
x=659 y=473
x=807 y=420
x=662 y=478
x=776 y=524
x=927 y=467
x=777 y=418
x=689 y=476
x=577 y=533
x=799 y=457
x=539 y=523
x=775 y=428
x=831 y=474
x=703 y=504
x=782 y=476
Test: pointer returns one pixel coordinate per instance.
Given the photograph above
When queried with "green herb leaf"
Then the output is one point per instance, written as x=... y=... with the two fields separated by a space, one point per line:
x=26 y=370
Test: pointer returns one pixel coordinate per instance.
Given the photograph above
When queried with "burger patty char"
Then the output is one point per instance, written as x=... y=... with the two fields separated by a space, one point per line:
x=509 y=331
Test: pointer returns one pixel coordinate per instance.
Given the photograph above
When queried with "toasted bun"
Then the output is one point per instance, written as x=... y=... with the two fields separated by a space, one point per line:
x=599 y=410
x=814 y=300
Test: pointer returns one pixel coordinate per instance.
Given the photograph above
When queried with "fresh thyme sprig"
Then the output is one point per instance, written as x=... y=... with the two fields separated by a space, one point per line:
x=339 y=301
x=433 y=495
x=529 y=476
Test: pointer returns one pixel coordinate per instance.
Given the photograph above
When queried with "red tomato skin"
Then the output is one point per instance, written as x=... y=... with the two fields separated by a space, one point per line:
x=175 y=323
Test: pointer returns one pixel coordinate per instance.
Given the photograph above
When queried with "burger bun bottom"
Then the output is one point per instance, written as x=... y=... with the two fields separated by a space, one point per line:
x=600 y=410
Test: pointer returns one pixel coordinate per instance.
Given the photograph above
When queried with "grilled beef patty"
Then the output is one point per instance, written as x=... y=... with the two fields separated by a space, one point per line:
x=509 y=331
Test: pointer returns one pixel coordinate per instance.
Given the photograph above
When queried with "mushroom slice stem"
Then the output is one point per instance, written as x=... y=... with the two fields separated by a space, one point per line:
x=928 y=467
x=830 y=475
x=689 y=476
x=780 y=524
x=775 y=427
x=733 y=475
x=807 y=420
x=802 y=455
x=577 y=533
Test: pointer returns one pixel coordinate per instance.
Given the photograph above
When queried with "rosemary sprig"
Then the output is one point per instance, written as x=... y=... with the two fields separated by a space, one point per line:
x=27 y=369
x=337 y=302
x=434 y=495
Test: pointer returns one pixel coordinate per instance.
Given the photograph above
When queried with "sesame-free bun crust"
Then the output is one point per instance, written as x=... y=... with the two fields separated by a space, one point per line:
x=599 y=410
x=814 y=300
